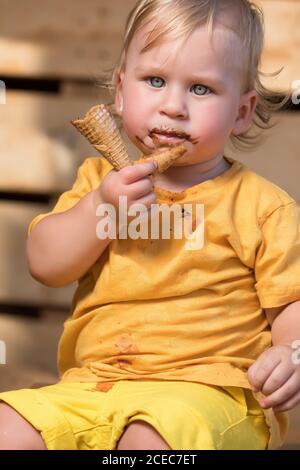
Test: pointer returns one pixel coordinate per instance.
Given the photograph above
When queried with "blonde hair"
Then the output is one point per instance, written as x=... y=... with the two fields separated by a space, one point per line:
x=179 y=18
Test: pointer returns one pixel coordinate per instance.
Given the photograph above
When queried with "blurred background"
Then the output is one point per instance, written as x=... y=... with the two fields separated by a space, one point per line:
x=51 y=55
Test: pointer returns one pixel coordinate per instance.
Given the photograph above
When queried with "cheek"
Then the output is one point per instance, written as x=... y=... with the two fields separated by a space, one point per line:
x=131 y=121
x=214 y=120
x=136 y=113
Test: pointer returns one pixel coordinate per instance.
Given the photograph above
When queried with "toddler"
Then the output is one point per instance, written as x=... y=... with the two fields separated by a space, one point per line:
x=168 y=347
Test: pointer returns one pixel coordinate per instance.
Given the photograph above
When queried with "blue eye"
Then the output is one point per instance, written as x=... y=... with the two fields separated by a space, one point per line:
x=152 y=81
x=155 y=82
x=201 y=88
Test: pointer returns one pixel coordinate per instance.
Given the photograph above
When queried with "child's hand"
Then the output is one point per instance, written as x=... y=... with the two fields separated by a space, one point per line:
x=133 y=182
x=276 y=375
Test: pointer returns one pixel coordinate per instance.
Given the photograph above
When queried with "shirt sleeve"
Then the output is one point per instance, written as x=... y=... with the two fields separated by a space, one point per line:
x=277 y=264
x=89 y=176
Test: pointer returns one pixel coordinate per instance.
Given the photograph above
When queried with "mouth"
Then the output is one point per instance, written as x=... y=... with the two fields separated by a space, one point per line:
x=161 y=139
x=168 y=137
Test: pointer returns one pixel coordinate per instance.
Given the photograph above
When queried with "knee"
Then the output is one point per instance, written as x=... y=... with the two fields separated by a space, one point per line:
x=140 y=435
x=16 y=433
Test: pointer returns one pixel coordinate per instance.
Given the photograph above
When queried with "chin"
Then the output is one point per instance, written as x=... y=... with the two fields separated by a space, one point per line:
x=139 y=144
x=186 y=161
x=145 y=150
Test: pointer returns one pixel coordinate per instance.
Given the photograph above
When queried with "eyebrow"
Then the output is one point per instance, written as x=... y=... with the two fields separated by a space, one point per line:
x=195 y=77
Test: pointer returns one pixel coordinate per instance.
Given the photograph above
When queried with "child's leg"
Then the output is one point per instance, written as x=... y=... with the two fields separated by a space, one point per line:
x=183 y=415
x=16 y=433
x=139 y=435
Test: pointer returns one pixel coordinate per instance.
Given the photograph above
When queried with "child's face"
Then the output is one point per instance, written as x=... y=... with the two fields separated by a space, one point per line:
x=191 y=87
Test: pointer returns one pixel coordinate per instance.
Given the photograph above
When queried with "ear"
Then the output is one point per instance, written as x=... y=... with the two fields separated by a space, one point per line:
x=246 y=111
x=118 y=94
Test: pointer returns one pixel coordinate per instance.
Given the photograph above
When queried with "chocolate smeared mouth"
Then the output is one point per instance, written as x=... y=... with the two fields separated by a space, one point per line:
x=170 y=133
x=168 y=139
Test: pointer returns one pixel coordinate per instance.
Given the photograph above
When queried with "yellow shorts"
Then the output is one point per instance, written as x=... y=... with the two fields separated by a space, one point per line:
x=188 y=415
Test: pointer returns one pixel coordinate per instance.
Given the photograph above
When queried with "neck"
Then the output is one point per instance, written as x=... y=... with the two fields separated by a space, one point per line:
x=190 y=175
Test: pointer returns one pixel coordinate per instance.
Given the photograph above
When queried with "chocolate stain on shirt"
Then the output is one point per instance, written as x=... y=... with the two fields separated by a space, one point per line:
x=126 y=345
x=103 y=387
x=122 y=363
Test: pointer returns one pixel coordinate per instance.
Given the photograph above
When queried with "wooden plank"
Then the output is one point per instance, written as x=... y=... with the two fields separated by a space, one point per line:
x=61 y=39
x=46 y=111
x=16 y=284
x=14 y=377
x=277 y=159
x=282 y=42
x=79 y=40
x=40 y=151
x=32 y=341
x=31 y=349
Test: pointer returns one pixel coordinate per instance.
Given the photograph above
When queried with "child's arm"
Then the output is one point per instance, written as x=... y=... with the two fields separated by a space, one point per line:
x=285 y=323
x=277 y=371
x=62 y=246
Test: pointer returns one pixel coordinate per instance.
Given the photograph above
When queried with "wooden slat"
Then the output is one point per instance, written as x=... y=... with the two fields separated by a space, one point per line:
x=282 y=43
x=60 y=39
x=16 y=284
x=40 y=151
x=78 y=40
x=45 y=111
x=14 y=377
x=31 y=350
x=32 y=341
x=277 y=159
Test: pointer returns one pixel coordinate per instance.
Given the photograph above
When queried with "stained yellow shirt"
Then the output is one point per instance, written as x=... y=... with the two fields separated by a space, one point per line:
x=151 y=309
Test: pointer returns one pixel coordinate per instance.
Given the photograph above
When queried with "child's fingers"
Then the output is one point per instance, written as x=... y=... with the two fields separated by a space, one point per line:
x=284 y=393
x=145 y=201
x=140 y=188
x=260 y=371
x=133 y=173
x=277 y=379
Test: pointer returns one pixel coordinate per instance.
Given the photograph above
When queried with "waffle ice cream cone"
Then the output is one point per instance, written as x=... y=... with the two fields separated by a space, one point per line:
x=100 y=128
x=165 y=157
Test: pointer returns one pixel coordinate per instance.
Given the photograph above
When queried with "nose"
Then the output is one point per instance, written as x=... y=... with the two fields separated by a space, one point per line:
x=173 y=104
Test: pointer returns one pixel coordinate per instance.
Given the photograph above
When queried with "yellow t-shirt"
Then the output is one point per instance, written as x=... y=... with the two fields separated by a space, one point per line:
x=151 y=309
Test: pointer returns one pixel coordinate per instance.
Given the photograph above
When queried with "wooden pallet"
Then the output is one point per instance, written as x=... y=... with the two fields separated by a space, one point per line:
x=40 y=149
x=31 y=349
x=61 y=40
x=17 y=287
x=77 y=42
x=282 y=42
